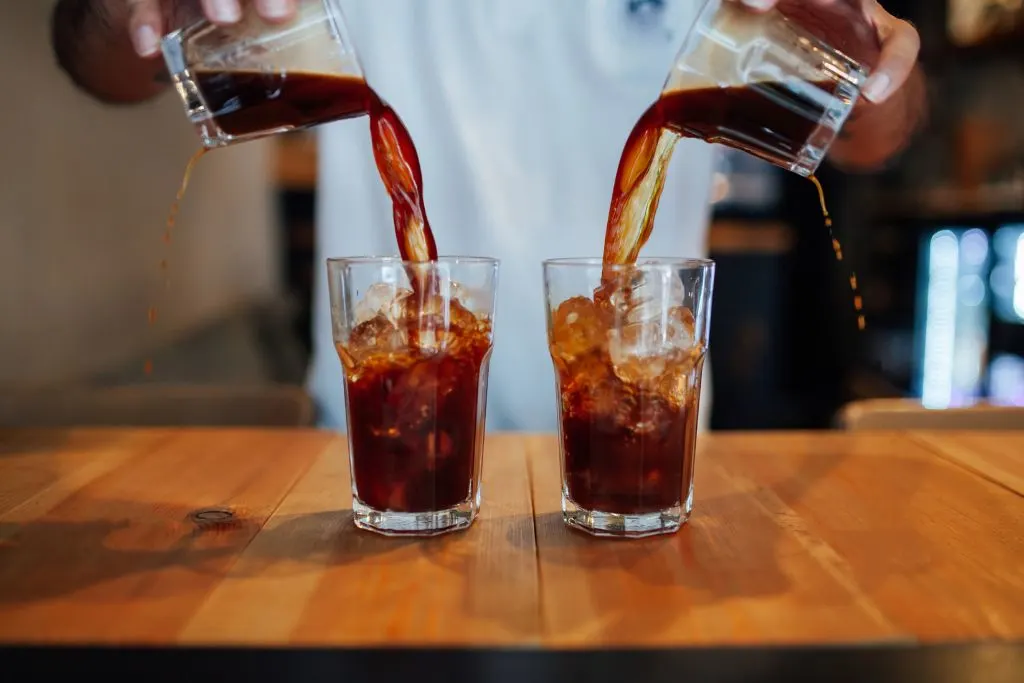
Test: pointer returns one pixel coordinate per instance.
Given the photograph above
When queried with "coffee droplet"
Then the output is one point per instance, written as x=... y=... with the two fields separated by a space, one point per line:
x=172 y=217
x=837 y=247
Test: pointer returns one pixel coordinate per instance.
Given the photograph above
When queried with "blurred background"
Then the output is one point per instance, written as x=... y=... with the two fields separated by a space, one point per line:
x=937 y=242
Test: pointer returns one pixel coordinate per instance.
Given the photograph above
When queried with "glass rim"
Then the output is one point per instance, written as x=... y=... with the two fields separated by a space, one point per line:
x=452 y=260
x=651 y=262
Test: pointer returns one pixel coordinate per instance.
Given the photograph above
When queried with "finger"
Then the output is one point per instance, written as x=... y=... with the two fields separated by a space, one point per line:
x=222 y=11
x=145 y=26
x=900 y=47
x=276 y=10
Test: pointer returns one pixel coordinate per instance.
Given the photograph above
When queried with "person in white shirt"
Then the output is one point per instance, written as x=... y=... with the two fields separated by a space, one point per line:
x=519 y=110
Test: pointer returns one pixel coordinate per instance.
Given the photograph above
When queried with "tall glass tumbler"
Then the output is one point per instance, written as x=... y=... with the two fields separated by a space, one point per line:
x=415 y=340
x=628 y=345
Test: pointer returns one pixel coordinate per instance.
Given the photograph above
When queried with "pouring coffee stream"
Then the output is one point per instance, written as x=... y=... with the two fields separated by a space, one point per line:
x=298 y=100
x=788 y=114
x=765 y=85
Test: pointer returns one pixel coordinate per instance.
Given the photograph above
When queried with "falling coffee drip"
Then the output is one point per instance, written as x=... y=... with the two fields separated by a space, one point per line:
x=172 y=220
x=252 y=102
x=762 y=123
x=245 y=103
x=858 y=301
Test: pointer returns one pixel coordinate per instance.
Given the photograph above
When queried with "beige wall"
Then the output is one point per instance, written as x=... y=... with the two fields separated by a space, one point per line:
x=84 y=190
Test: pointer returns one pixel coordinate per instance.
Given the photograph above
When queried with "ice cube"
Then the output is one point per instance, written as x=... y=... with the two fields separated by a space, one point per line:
x=427 y=332
x=681 y=373
x=654 y=415
x=437 y=323
x=599 y=398
x=462 y=319
x=577 y=327
x=681 y=327
x=638 y=352
x=473 y=300
x=377 y=335
x=382 y=298
x=653 y=295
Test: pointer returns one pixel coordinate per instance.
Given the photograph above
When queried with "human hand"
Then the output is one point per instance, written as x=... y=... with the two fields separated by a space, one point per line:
x=899 y=39
x=146 y=17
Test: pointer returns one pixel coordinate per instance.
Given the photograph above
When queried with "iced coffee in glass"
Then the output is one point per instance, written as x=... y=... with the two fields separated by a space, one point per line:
x=414 y=339
x=628 y=345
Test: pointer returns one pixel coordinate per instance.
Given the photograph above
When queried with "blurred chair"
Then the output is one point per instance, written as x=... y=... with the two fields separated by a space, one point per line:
x=885 y=413
x=157 y=406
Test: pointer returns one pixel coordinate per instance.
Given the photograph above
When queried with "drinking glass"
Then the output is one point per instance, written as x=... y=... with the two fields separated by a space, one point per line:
x=791 y=91
x=414 y=339
x=255 y=75
x=628 y=345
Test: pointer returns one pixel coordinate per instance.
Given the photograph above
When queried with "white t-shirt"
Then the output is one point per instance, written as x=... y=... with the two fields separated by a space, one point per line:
x=519 y=110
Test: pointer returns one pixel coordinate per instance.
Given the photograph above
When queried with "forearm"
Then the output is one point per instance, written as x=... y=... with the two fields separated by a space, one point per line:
x=92 y=45
x=876 y=133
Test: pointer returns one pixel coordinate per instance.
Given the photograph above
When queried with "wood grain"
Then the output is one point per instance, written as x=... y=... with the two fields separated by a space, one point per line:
x=796 y=537
x=42 y=468
x=996 y=456
x=313 y=578
x=119 y=558
x=934 y=547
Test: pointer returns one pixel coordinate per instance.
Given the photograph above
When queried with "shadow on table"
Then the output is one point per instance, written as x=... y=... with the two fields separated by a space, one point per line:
x=736 y=545
x=617 y=590
x=119 y=554
x=497 y=583
x=112 y=556
x=291 y=543
x=468 y=568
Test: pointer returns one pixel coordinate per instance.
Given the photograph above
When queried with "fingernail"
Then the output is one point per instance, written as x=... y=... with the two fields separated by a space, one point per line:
x=227 y=11
x=145 y=40
x=759 y=5
x=877 y=88
x=275 y=9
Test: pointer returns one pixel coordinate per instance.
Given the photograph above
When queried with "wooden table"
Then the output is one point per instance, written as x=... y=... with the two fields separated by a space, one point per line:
x=796 y=538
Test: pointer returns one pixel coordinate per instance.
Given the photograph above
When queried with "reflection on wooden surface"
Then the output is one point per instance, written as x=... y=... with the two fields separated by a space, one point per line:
x=796 y=537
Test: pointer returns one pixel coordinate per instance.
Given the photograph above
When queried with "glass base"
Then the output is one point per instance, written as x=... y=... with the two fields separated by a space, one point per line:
x=389 y=523
x=613 y=525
